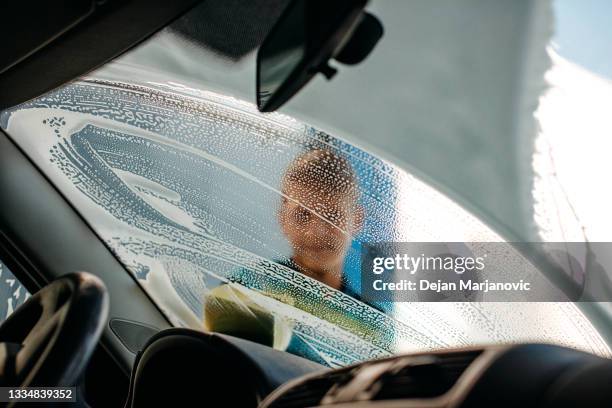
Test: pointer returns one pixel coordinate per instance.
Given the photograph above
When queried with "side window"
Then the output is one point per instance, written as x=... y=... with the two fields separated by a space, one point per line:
x=12 y=292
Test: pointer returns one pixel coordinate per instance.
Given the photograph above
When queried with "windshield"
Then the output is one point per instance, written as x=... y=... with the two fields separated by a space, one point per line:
x=253 y=224
x=202 y=199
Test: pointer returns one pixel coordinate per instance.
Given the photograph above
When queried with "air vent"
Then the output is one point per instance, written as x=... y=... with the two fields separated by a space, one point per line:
x=427 y=376
x=310 y=393
x=427 y=380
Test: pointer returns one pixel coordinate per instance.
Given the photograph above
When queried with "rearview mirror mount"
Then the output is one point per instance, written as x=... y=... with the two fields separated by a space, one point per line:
x=307 y=35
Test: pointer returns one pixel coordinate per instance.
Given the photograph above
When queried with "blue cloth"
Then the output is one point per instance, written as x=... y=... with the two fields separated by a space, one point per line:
x=352 y=278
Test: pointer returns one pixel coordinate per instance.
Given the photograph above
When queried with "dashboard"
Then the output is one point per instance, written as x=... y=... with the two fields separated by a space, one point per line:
x=528 y=375
x=181 y=366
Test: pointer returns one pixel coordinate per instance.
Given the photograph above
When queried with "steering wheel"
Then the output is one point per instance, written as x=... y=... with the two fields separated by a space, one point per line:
x=49 y=339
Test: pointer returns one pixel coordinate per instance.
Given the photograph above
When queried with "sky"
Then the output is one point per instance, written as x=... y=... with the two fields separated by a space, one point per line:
x=583 y=33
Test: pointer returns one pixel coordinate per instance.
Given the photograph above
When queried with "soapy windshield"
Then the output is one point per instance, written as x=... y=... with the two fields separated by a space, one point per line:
x=253 y=225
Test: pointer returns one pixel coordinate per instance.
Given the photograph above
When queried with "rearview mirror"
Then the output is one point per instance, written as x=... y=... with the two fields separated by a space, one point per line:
x=307 y=35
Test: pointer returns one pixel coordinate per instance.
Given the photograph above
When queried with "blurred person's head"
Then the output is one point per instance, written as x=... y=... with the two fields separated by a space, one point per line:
x=320 y=213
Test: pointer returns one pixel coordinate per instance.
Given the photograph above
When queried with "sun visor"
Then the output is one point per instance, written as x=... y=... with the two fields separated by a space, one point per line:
x=46 y=44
